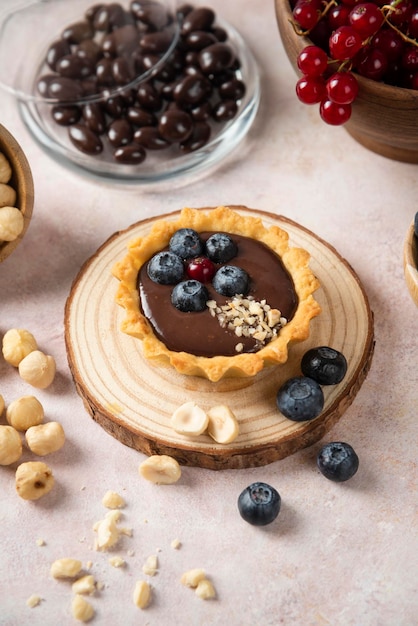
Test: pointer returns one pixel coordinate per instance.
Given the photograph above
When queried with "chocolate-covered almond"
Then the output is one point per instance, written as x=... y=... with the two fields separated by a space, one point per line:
x=192 y=90
x=65 y=115
x=120 y=133
x=132 y=154
x=152 y=14
x=215 y=58
x=198 y=19
x=123 y=70
x=94 y=117
x=225 y=110
x=149 y=138
x=104 y=72
x=233 y=89
x=157 y=42
x=56 y=51
x=73 y=66
x=77 y=32
x=148 y=97
x=89 y=49
x=64 y=89
x=199 y=137
x=115 y=106
x=199 y=39
x=43 y=84
x=139 y=117
x=84 y=139
x=175 y=125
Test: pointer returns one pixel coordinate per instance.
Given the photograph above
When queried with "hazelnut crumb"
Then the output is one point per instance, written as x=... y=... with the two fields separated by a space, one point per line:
x=33 y=601
x=175 y=544
x=150 y=567
x=117 y=561
x=112 y=500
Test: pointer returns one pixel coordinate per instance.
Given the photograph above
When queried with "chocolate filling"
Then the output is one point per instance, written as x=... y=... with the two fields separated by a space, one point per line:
x=200 y=333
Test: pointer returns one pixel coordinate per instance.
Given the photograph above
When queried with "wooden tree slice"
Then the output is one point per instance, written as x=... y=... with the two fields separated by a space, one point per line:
x=134 y=400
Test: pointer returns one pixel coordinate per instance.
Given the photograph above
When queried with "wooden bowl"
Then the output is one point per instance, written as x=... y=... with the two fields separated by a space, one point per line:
x=384 y=118
x=21 y=181
x=410 y=262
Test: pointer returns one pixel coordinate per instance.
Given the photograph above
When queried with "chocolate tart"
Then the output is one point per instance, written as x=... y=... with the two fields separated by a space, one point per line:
x=292 y=261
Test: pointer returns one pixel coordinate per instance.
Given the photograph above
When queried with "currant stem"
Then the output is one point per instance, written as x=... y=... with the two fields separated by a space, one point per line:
x=386 y=10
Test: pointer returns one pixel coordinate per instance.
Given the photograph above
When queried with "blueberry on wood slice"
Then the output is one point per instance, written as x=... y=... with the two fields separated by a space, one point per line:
x=231 y=280
x=337 y=461
x=190 y=296
x=221 y=248
x=300 y=399
x=186 y=243
x=165 y=268
x=259 y=504
x=325 y=365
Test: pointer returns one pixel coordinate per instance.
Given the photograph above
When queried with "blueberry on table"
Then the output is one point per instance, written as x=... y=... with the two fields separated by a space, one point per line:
x=325 y=365
x=165 y=268
x=337 y=461
x=190 y=296
x=300 y=399
x=221 y=248
x=231 y=280
x=186 y=243
x=259 y=504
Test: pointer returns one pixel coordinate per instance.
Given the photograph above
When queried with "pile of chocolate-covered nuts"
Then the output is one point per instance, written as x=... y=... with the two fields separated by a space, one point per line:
x=184 y=100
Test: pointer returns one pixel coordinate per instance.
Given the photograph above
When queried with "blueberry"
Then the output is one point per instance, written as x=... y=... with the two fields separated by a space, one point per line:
x=300 y=398
x=325 y=365
x=337 y=461
x=190 y=295
x=259 y=504
x=231 y=280
x=165 y=268
x=221 y=248
x=186 y=243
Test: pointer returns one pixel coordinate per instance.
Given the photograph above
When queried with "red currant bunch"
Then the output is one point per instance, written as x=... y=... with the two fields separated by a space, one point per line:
x=333 y=94
x=375 y=39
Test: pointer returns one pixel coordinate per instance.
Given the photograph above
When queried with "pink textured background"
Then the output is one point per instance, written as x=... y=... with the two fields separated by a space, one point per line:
x=338 y=555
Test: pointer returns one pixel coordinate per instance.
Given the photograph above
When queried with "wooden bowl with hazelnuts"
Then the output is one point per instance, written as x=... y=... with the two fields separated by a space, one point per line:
x=16 y=193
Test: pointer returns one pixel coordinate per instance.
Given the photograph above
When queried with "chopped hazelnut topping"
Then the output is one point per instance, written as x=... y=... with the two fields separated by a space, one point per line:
x=247 y=317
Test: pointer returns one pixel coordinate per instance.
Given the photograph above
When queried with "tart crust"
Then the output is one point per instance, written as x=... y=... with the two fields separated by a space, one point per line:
x=225 y=219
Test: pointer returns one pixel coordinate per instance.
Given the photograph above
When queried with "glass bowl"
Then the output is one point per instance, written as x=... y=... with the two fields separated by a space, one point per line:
x=53 y=17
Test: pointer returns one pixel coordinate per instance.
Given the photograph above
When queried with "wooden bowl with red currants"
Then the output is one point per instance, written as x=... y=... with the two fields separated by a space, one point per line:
x=358 y=63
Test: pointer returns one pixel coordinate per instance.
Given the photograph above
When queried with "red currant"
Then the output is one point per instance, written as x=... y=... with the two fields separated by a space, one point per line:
x=334 y=114
x=344 y=43
x=366 y=18
x=390 y=43
x=413 y=25
x=311 y=89
x=402 y=13
x=200 y=268
x=372 y=63
x=312 y=61
x=410 y=59
x=342 y=88
x=338 y=16
x=307 y=13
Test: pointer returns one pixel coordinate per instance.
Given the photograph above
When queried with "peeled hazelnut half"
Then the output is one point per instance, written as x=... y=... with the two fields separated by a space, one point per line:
x=160 y=469
x=189 y=419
